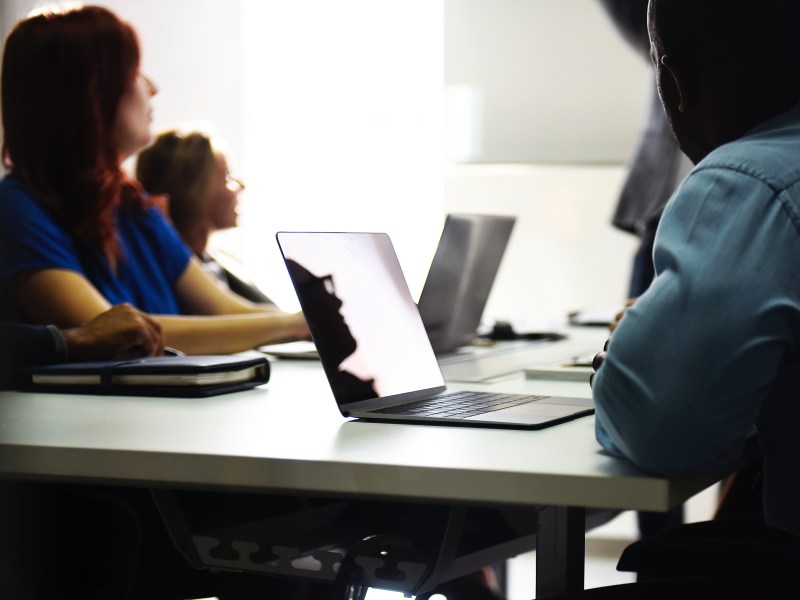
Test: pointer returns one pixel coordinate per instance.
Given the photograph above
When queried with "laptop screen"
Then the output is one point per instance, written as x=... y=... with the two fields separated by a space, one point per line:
x=366 y=327
x=461 y=276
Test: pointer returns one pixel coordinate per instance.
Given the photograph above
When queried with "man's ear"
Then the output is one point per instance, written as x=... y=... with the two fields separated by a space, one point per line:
x=672 y=85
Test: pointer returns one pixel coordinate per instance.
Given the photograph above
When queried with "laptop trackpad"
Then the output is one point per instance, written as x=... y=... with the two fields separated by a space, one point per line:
x=531 y=413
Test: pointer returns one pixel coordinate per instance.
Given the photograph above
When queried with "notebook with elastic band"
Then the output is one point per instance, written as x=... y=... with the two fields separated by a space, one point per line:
x=202 y=375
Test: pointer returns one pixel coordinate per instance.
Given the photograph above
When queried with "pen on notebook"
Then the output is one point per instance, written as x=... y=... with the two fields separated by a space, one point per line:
x=172 y=352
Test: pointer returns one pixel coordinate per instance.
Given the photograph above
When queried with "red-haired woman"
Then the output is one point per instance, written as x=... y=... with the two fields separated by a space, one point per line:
x=76 y=235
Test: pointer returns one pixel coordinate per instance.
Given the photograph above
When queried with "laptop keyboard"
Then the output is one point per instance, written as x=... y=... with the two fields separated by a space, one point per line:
x=458 y=405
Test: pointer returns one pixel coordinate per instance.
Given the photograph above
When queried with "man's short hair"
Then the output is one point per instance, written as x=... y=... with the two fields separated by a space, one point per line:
x=750 y=47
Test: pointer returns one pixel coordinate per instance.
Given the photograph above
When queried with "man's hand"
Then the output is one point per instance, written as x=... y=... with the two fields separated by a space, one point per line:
x=121 y=332
x=601 y=356
x=597 y=361
x=620 y=314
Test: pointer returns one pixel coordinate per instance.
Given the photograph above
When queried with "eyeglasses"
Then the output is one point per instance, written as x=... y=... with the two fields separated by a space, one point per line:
x=327 y=281
x=234 y=184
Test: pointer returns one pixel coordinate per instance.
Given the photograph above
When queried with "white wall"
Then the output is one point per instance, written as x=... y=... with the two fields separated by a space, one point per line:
x=343 y=103
x=545 y=99
x=563 y=255
x=542 y=81
x=334 y=113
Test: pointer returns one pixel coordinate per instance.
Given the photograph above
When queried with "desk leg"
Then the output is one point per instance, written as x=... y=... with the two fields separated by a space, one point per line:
x=560 y=550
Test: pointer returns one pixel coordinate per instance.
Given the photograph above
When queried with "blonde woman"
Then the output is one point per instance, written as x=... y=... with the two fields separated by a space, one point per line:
x=192 y=171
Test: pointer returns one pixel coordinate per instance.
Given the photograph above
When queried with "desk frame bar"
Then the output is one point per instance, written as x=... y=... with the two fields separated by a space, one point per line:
x=560 y=550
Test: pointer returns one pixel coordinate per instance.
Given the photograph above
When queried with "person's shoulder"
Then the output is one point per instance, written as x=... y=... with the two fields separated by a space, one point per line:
x=12 y=188
x=147 y=215
x=152 y=211
x=17 y=200
x=149 y=221
x=9 y=182
x=744 y=180
x=767 y=153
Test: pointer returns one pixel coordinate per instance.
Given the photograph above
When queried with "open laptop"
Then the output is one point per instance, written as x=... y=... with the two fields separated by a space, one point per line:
x=461 y=276
x=373 y=345
x=457 y=287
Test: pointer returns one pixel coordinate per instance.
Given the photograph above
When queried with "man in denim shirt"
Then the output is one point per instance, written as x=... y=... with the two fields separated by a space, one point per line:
x=705 y=367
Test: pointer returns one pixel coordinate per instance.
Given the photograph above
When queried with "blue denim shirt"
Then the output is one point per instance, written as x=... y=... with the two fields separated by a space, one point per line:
x=707 y=360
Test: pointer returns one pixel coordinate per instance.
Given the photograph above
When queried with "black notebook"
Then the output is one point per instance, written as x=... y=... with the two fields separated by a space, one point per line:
x=204 y=375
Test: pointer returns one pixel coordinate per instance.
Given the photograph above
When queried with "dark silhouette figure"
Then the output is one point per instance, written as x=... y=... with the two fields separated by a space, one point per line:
x=332 y=336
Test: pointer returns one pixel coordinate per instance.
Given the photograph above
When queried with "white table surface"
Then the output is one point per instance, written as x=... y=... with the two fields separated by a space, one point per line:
x=289 y=436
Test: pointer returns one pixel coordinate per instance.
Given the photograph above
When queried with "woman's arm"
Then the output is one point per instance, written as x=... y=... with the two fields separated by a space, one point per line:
x=226 y=334
x=201 y=294
x=67 y=299
x=59 y=296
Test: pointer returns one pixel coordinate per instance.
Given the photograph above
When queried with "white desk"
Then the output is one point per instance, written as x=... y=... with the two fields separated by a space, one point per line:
x=288 y=436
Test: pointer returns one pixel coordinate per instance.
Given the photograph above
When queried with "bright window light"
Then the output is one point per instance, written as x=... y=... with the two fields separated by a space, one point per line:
x=342 y=128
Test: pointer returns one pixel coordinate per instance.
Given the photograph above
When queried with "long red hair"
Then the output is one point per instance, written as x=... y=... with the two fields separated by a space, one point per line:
x=64 y=74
